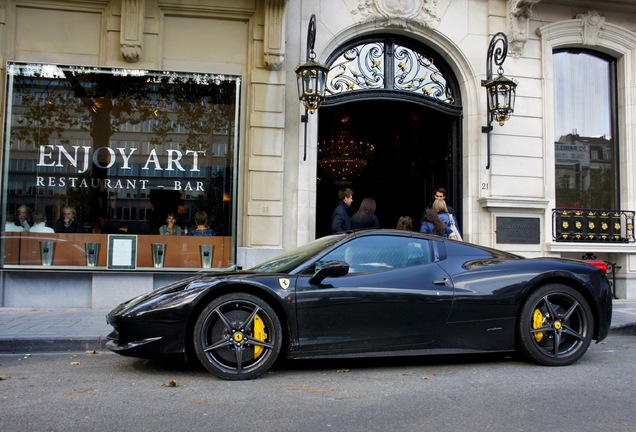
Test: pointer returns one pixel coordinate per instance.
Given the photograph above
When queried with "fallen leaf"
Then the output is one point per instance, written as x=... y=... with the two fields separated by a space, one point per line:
x=75 y=363
x=90 y=352
x=2 y=377
x=171 y=383
x=343 y=370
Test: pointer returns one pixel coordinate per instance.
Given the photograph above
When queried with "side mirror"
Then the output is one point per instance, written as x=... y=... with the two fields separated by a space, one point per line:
x=330 y=269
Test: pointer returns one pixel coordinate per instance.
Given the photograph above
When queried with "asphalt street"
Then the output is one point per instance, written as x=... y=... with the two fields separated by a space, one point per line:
x=102 y=391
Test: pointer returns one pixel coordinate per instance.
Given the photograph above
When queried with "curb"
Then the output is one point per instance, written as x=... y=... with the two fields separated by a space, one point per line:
x=624 y=330
x=51 y=345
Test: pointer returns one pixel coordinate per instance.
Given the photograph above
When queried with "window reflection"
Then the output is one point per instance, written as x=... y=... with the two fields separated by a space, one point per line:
x=585 y=143
x=121 y=147
x=368 y=254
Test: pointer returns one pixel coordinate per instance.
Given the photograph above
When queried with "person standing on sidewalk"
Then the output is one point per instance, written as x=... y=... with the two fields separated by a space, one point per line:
x=365 y=216
x=440 y=194
x=341 y=217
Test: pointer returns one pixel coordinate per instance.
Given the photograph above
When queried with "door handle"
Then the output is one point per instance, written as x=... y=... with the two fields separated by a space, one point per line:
x=441 y=282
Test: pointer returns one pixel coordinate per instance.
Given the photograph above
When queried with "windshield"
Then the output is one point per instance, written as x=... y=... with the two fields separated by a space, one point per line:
x=288 y=261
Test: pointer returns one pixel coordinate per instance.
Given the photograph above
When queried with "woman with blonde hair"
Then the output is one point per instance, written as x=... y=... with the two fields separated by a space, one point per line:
x=442 y=211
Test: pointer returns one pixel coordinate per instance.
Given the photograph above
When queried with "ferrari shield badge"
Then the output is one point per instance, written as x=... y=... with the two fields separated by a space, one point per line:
x=284 y=283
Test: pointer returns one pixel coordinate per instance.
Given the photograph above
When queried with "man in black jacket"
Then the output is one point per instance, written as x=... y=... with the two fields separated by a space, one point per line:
x=69 y=222
x=440 y=194
x=341 y=217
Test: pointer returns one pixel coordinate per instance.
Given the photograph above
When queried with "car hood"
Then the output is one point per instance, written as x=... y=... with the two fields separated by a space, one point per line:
x=193 y=283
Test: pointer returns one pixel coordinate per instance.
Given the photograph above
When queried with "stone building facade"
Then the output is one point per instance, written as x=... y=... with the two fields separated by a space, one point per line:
x=557 y=179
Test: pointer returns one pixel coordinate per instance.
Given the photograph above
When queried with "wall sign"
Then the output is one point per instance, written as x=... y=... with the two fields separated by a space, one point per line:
x=518 y=230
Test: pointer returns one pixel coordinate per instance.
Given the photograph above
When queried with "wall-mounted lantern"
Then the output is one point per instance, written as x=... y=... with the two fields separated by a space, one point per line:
x=312 y=79
x=500 y=91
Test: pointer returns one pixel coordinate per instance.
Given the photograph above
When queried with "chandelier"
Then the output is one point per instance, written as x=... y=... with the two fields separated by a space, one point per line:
x=342 y=156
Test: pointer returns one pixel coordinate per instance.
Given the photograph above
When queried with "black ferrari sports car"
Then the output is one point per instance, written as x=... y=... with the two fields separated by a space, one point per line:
x=371 y=293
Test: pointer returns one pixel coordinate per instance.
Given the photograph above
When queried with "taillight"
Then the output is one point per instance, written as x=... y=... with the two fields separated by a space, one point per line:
x=600 y=264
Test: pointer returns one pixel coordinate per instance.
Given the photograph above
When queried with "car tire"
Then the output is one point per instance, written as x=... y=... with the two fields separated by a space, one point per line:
x=555 y=325
x=237 y=336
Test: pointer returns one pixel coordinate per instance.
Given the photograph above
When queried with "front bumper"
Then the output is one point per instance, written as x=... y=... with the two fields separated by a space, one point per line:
x=146 y=337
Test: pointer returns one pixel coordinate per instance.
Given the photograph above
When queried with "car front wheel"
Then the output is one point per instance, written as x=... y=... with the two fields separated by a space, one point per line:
x=237 y=336
x=555 y=325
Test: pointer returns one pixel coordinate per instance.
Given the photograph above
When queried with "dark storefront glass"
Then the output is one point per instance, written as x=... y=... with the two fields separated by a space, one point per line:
x=123 y=148
x=585 y=132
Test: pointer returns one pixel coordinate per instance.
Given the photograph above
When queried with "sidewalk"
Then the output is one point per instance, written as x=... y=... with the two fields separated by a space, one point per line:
x=27 y=330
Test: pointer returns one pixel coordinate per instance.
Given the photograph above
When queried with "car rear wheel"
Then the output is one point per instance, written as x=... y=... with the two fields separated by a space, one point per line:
x=555 y=325
x=237 y=336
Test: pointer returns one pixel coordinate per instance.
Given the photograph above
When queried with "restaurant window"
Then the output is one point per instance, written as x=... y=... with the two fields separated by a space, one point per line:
x=121 y=149
x=586 y=147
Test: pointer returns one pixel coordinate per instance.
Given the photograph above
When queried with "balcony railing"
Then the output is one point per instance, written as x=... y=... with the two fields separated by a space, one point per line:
x=593 y=225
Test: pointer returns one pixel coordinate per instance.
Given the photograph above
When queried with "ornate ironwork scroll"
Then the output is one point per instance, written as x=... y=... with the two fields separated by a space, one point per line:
x=358 y=68
x=418 y=73
x=381 y=65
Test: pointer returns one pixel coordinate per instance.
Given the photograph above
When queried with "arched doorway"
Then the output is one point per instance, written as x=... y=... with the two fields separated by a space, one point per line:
x=400 y=99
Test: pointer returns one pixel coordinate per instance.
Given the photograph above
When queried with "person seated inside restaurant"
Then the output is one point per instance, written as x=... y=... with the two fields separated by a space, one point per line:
x=10 y=225
x=202 y=227
x=69 y=223
x=171 y=227
x=23 y=217
x=39 y=224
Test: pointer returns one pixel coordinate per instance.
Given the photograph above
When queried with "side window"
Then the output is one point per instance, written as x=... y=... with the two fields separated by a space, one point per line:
x=368 y=254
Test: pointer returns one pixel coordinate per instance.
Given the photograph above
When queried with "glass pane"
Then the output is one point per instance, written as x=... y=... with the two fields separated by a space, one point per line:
x=368 y=254
x=360 y=67
x=585 y=146
x=417 y=73
x=119 y=150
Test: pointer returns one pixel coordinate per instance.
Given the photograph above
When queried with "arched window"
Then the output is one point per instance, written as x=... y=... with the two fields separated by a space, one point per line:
x=382 y=67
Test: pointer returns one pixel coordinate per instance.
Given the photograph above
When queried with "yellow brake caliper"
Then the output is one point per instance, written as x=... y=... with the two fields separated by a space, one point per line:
x=259 y=334
x=537 y=322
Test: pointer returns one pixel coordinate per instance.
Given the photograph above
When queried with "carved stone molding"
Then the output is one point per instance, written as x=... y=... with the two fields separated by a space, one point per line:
x=132 y=29
x=275 y=11
x=520 y=12
x=592 y=24
x=401 y=13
